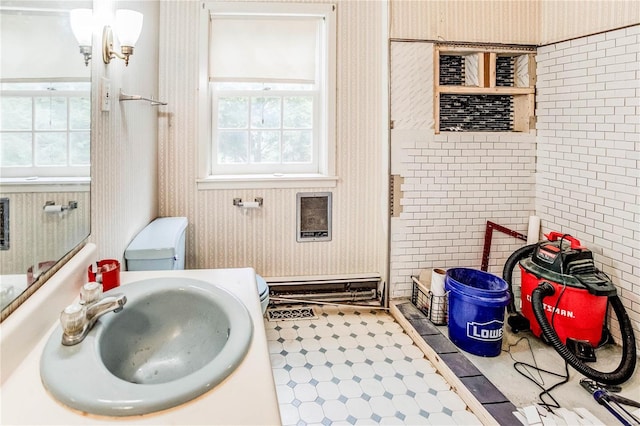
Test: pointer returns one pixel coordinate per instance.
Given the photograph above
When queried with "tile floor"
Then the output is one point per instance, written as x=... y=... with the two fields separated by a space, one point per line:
x=501 y=389
x=357 y=366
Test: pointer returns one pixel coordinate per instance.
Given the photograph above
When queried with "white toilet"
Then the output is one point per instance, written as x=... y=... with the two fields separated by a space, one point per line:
x=161 y=246
x=263 y=293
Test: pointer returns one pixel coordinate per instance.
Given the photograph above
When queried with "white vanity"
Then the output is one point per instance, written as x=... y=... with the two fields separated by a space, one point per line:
x=24 y=400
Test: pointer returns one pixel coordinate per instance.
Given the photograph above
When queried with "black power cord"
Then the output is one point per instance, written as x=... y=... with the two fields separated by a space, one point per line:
x=524 y=369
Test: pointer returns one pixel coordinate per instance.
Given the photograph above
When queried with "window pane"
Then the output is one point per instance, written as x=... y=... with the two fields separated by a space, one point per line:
x=15 y=113
x=233 y=147
x=51 y=149
x=265 y=147
x=233 y=113
x=79 y=113
x=298 y=112
x=51 y=113
x=15 y=149
x=265 y=113
x=79 y=148
x=297 y=146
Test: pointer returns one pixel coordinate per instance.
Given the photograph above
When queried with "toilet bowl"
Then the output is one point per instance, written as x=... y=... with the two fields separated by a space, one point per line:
x=263 y=292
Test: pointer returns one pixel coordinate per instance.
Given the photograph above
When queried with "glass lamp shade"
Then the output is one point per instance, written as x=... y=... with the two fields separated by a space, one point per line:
x=82 y=25
x=128 y=25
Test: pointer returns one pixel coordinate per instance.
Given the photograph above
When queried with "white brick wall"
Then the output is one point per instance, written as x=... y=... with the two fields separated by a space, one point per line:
x=453 y=182
x=587 y=175
x=588 y=171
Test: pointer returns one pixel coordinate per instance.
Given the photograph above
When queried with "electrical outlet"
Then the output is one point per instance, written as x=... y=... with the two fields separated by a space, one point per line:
x=105 y=94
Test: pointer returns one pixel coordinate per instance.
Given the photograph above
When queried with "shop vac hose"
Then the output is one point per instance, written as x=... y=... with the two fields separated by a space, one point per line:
x=507 y=271
x=627 y=365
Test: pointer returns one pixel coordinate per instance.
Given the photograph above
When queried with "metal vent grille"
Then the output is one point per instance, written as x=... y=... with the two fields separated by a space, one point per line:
x=313 y=216
x=349 y=288
x=289 y=314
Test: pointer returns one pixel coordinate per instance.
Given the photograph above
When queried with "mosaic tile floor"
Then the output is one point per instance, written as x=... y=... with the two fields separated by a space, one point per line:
x=357 y=366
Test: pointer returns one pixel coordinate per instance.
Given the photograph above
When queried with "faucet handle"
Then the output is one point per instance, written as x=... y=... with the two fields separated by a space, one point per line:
x=90 y=292
x=72 y=318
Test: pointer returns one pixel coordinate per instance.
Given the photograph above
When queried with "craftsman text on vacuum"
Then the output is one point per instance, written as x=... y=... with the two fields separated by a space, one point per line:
x=550 y=308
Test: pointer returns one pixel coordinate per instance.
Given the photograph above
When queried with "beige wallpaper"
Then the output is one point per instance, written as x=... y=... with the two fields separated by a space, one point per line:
x=500 y=21
x=466 y=20
x=124 y=139
x=36 y=236
x=219 y=234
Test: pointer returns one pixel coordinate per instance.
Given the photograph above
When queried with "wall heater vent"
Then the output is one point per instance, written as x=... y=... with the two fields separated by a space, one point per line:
x=345 y=288
x=313 y=216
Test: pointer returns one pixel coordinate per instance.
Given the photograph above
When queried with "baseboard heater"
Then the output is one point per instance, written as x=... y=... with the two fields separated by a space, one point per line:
x=360 y=288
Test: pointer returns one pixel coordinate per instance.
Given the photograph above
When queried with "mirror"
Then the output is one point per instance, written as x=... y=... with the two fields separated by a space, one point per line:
x=45 y=122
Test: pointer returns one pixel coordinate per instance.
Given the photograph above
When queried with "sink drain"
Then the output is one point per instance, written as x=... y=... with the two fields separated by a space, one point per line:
x=285 y=314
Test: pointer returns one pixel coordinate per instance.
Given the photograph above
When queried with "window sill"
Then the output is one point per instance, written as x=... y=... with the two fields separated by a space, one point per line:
x=41 y=184
x=267 y=181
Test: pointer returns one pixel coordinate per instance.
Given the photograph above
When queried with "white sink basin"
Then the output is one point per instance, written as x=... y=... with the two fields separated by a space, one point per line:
x=175 y=339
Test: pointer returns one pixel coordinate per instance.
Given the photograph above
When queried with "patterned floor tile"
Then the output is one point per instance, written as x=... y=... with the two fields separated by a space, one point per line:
x=356 y=366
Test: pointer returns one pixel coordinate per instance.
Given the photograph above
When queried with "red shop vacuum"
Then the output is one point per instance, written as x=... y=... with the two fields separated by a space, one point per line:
x=564 y=301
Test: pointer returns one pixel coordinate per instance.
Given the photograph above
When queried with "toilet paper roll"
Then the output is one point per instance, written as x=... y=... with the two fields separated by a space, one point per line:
x=533 y=233
x=437 y=281
x=53 y=209
x=250 y=205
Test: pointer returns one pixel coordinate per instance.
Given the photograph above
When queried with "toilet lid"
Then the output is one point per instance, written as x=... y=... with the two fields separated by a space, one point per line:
x=263 y=288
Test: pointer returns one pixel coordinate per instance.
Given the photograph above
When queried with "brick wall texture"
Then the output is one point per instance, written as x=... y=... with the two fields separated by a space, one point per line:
x=588 y=151
x=579 y=170
x=454 y=182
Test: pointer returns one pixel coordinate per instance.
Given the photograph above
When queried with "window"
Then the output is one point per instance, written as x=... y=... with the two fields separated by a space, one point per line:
x=267 y=128
x=271 y=85
x=45 y=129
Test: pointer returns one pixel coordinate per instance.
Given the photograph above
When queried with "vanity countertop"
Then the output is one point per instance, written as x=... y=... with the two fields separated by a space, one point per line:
x=246 y=397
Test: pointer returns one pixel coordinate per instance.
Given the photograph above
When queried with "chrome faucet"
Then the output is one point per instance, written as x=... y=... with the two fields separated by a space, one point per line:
x=78 y=319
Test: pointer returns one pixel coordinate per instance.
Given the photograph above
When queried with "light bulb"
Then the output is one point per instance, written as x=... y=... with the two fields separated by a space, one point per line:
x=128 y=25
x=82 y=25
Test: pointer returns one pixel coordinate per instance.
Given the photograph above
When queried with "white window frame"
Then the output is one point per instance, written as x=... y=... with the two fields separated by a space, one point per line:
x=45 y=171
x=325 y=106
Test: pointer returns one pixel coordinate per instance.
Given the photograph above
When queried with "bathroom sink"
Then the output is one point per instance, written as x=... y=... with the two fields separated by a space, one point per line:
x=175 y=339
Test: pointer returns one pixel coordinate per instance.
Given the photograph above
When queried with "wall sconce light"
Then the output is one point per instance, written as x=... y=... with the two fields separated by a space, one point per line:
x=82 y=27
x=128 y=25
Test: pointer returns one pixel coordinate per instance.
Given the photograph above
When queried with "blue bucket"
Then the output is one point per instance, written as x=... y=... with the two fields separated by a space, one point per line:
x=477 y=301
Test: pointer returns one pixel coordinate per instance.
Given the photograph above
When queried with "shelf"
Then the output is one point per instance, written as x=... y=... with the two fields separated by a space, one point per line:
x=471 y=90
x=473 y=72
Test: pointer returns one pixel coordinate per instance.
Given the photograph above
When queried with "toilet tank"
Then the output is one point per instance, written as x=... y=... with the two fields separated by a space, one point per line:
x=159 y=246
